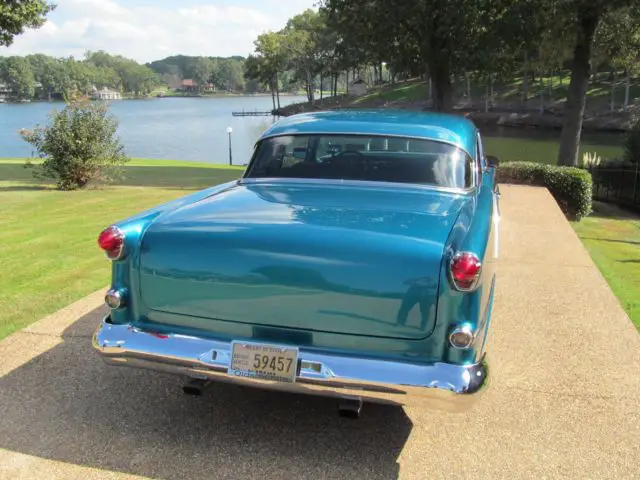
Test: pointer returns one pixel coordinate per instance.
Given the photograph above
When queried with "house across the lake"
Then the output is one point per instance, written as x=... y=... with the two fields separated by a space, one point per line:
x=105 y=94
x=5 y=92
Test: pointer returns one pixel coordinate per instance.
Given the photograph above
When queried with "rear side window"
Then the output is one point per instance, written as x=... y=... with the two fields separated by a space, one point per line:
x=362 y=157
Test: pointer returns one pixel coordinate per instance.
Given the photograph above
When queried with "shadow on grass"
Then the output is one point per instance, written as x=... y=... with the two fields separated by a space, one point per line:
x=631 y=260
x=607 y=210
x=24 y=188
x=67 y=405
x=612 y=240
x=152 y=176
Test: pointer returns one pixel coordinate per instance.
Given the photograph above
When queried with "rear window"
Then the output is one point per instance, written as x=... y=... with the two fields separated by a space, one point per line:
x=362 y=157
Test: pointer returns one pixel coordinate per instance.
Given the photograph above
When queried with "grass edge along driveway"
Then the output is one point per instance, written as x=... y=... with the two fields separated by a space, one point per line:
x=48 y=252
x=612 y=238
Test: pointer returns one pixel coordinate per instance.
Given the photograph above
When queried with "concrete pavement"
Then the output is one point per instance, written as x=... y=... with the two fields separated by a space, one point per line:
x=563 y=399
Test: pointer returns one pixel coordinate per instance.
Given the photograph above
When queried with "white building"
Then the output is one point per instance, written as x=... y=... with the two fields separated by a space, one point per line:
x=106 y=94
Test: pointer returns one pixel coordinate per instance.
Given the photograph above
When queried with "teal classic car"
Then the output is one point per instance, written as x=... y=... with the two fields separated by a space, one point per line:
x=353 y=258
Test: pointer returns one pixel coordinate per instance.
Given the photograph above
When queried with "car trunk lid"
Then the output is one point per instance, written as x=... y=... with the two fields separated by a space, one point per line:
x=357 y=260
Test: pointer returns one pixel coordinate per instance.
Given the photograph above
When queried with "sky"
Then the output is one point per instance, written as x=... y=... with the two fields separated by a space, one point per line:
x=148 y=30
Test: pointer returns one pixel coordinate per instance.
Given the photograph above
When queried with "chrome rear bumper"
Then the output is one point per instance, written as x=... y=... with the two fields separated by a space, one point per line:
x=439 y=385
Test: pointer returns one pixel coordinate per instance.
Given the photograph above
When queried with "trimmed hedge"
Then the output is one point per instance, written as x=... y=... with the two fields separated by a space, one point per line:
x=571 y=187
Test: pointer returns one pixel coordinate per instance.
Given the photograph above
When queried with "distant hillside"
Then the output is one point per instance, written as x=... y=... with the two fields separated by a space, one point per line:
x=221 y=73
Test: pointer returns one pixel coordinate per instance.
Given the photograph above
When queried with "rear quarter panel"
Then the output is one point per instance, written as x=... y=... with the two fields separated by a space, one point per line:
x=125 y=272
x=475 y=231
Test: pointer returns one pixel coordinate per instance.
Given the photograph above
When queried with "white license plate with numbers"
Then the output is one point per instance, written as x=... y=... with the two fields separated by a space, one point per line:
x=266 y=362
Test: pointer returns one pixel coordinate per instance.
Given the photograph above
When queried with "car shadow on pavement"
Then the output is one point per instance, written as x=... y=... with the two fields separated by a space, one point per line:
x=67 y=405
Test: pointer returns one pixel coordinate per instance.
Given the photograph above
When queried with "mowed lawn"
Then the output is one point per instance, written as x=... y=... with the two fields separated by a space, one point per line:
x=49 y=257
x=612 y=237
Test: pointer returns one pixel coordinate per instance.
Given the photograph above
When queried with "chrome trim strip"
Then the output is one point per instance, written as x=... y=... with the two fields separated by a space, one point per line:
x=354 y=183
x=369 y=134
x=438 y=385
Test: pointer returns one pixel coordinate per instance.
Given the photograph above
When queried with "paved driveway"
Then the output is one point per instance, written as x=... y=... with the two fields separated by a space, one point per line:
x=563 y=399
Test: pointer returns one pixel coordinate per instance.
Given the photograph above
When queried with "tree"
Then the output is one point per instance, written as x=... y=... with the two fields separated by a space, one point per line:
x=201 y=71
x=19 y=77
x=301 y=47
x=229 y=74
x=79 y=147
x=443 y=38
x=270 y=60
x=583 y=16
x=618 y=45
x=16 y=15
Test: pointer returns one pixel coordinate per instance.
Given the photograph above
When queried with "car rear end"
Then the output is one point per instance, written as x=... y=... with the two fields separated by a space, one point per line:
x=356 y=290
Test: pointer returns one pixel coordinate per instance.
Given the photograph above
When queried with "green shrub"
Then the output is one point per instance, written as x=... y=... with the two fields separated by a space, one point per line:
x=570 y=186
x=79 y=147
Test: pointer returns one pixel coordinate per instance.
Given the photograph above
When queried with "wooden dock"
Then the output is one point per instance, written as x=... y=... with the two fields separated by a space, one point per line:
x=252 y=113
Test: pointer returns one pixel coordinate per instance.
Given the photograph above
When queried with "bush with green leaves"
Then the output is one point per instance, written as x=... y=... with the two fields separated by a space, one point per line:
x=79 y=147
x=571 y=187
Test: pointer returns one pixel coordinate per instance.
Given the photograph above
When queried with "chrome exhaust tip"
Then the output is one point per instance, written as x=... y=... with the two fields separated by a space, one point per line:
x=195 y=387
x=350 y=408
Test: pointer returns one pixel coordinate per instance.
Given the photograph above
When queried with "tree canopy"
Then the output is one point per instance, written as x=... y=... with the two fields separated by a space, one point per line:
x=16 y=15
x=483 y=40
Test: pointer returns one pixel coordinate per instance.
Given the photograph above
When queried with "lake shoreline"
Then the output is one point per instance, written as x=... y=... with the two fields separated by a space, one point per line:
x=498 y=116
x=156 y=97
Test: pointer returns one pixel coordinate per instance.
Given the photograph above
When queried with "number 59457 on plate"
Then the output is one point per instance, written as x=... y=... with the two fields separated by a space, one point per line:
x=266 y=362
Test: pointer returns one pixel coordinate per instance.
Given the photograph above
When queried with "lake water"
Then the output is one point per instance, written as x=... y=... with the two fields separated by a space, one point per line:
x=196 y=129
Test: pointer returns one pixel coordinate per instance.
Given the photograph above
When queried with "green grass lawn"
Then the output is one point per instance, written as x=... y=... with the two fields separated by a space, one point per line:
x=612 y=237
x=48 y=249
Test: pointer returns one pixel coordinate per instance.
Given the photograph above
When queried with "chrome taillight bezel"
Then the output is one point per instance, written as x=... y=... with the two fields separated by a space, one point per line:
x=476 y=278
x=115 y=254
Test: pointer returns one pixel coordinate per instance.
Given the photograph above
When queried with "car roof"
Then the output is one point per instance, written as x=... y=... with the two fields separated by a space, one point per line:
x=453 y=129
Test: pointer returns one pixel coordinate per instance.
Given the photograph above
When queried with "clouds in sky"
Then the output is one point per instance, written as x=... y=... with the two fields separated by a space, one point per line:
x=147 y=30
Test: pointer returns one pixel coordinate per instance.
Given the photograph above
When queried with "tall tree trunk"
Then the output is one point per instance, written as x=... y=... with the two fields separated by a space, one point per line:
x=577 y=93
x=541 y=95
x=381 y=79
x=491 y=88
x=551 y=85
x=273 y=94
x=278 y=90
x=321 y=86
x=310 y=86
x=468 y=81
x=613 y=90
x=627 y=87
x=335 y=85
x=486 y=97
x=525 y=80
x=346 y=75
x=442 y=89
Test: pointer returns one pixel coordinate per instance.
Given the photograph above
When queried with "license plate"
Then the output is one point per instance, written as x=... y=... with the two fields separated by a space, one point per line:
x=266 y=362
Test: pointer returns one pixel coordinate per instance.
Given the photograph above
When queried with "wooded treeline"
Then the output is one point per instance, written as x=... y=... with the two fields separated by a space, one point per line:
x=45 y=77
x=482 y=40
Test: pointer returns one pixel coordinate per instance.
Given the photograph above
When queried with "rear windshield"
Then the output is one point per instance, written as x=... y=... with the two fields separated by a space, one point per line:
x=362 y=157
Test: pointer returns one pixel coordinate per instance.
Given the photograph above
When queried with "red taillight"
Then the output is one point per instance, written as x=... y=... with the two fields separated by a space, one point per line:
x=111 y=241
x=465 y=270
